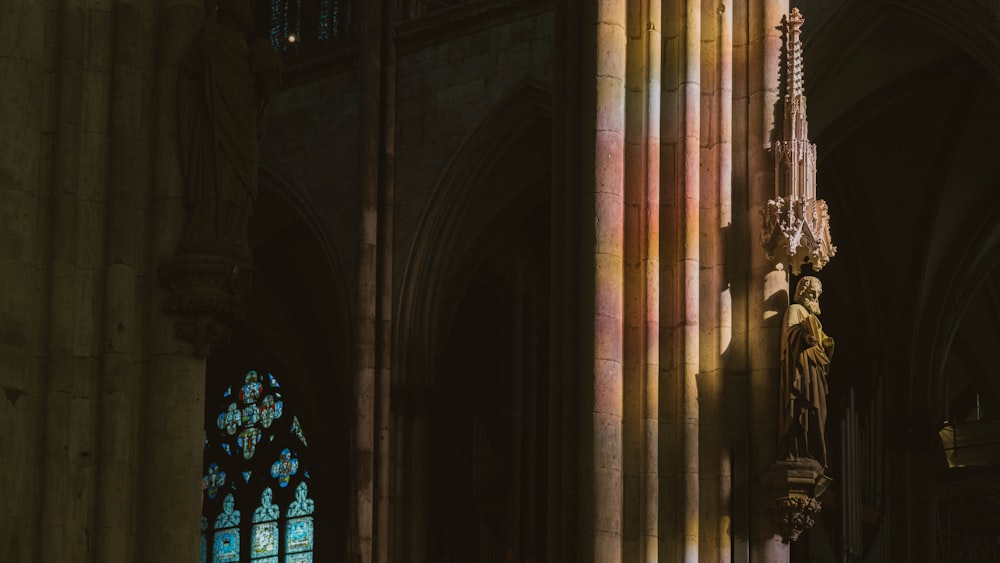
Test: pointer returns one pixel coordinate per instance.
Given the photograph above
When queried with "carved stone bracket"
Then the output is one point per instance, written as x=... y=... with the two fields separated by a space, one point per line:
x=207 y=294
x=794 y=487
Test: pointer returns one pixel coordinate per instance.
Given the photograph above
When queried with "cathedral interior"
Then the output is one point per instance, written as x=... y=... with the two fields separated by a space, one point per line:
x=498 y=292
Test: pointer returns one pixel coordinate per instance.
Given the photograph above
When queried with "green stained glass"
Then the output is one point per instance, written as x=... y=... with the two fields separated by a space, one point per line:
x=297 y=430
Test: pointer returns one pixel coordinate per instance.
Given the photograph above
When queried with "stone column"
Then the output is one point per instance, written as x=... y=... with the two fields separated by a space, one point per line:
x=768 y=282
x=125 y=306
x=642 y=284
x=75 y=311
x=367 y=288
x=24 y=151
x=681 y=273
x=174 y=376
x=602 y=88
x=715 y=278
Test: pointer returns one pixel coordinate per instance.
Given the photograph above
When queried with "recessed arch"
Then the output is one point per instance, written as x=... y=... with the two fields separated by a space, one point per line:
x=296 y=328
x=462 y=203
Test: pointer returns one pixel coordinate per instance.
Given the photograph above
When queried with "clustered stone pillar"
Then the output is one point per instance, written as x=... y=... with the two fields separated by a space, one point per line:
x=24 y=156
x=768 y=289
x=662 y=383
x=103 y=404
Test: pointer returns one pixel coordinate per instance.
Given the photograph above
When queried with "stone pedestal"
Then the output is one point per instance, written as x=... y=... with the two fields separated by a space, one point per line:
x=207 y=294
x=793 y=487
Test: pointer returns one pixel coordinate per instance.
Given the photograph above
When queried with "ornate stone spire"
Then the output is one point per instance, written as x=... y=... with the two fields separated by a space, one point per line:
x=796 y=224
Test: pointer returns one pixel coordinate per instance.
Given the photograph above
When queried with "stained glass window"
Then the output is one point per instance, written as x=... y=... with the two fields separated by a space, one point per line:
x=299 y=528
x=303 y=25
x=256 y=463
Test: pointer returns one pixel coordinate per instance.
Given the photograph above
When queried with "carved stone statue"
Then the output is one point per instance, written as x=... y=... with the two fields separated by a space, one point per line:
x=805 y=361
x=222 y=87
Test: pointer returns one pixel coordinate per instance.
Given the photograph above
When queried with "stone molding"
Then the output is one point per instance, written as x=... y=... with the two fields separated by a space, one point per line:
x=207 y=294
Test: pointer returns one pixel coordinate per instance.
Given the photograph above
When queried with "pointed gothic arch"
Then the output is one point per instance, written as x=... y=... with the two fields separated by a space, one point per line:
x=296 y=338
x=470 y=401
x=453 y=216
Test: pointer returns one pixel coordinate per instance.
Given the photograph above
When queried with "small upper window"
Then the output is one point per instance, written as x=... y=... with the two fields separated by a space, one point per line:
x=303 y=25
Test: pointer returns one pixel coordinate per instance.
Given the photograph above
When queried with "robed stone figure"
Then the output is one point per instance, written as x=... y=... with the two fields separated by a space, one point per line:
x=222 y=87
x=805 y=361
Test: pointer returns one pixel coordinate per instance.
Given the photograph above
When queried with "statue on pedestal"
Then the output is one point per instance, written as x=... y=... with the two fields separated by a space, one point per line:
x=223 y=84
x=805 y=361
x=222 y=87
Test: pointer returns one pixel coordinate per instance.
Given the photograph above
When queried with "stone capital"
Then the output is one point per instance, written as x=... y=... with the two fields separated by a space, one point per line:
x=207 y=294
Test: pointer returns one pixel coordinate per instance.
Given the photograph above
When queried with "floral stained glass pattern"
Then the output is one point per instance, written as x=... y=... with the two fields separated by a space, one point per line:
x=214 y=479
x=285 y=467
x=251 y=413
x=251 y=438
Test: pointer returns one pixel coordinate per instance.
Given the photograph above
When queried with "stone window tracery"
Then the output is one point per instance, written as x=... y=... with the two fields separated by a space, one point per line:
x=256 y=506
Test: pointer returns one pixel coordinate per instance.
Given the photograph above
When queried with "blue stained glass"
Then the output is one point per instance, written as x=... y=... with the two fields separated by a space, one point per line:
x=229 y=517
x=270 y=410
x=204 y=540
x=265 y=540
x=299 y=534
x=229 y=420
x=248 y=441
x=251 y=388
x=228 y=450
x=285 y=467
x=246 y=476
x=229 y=391
x=250 y=415
x=302 y=505
x=267 y=509
x=213 y=479
x=299 y=558
x=227 y=546
x=274 y=382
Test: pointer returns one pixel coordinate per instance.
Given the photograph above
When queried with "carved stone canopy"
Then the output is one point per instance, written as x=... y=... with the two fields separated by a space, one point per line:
x=796 y=227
